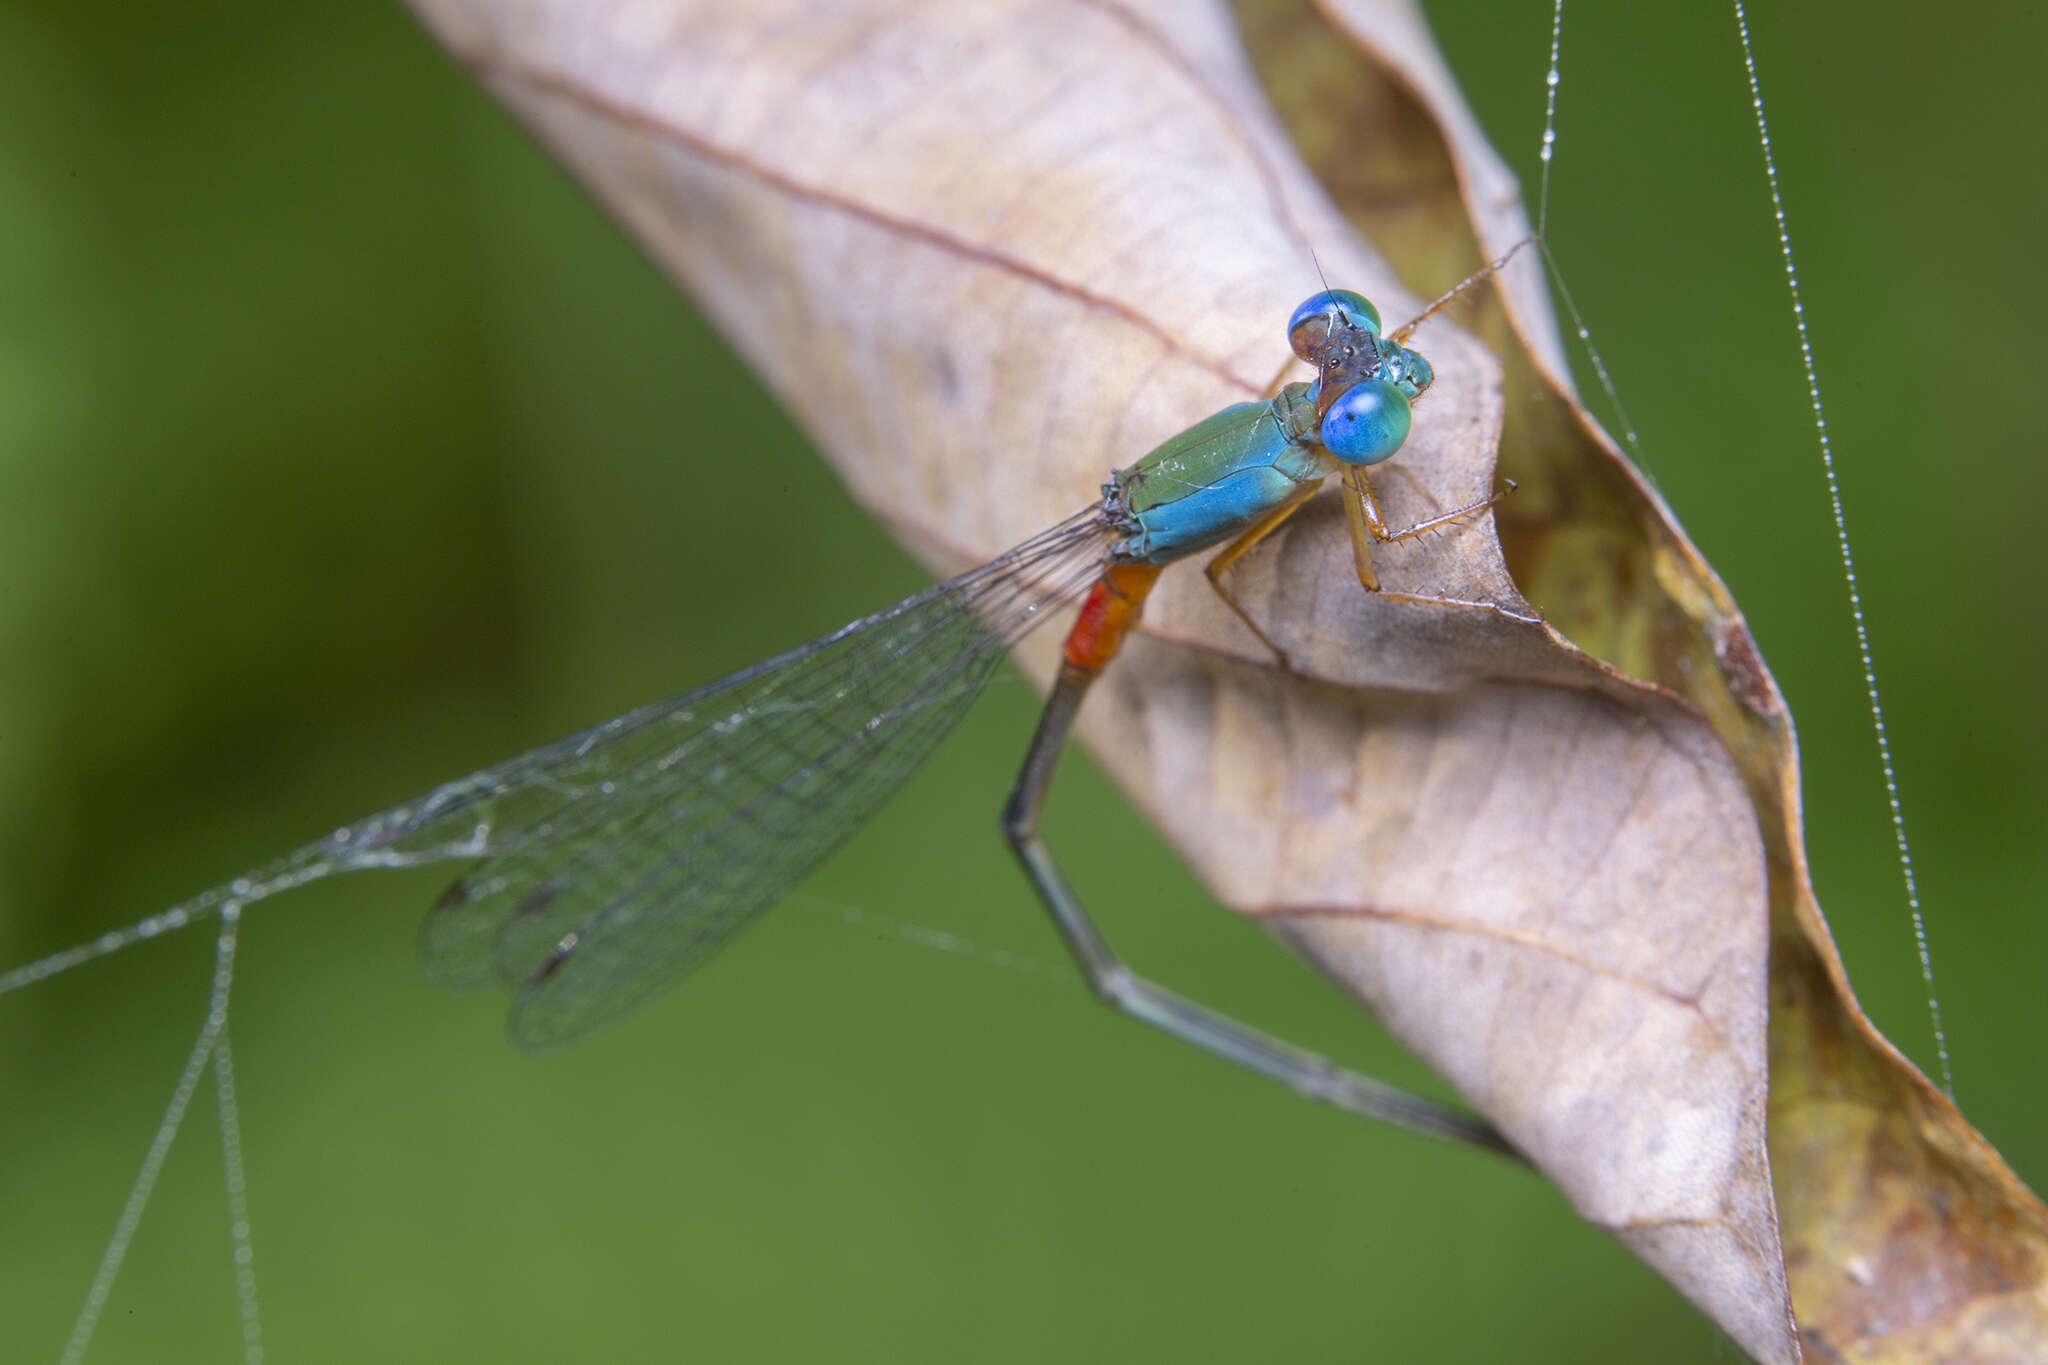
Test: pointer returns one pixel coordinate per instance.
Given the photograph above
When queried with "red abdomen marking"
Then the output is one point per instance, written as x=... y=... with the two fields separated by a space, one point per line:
x=1111 y=610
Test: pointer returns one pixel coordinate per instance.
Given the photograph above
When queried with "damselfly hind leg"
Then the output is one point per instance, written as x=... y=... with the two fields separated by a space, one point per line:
x=1309 y=1073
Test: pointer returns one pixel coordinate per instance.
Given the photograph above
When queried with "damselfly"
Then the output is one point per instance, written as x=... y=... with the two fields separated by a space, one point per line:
x=619 y=858
x=613 y=861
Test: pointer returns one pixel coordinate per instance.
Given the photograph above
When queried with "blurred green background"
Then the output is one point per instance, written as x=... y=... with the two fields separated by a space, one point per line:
x=344 y=447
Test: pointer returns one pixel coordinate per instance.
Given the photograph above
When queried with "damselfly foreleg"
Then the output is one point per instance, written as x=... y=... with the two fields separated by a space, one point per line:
x=1368 y=527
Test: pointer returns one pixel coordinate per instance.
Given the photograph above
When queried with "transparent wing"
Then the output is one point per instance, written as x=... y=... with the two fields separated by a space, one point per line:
x=615 y=860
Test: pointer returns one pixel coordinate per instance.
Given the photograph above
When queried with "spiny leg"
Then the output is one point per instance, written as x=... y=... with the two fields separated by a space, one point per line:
x=1444 y=300
x=1235 y=551
x=1362 y=513
x=1110 y=612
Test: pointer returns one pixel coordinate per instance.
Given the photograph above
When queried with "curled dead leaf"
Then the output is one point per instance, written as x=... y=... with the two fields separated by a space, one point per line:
x=1557 y=852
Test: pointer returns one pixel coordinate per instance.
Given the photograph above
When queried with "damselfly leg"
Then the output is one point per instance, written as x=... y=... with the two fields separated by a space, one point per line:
x=1093 y=642
x=1368 y=527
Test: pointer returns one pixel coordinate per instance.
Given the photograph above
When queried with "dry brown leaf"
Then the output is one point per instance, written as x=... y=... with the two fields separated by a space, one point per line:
x=1031 y=241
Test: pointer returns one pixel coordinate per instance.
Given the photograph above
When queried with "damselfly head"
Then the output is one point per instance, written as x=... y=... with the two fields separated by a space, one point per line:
x=1364 y=383
x=1338 y=332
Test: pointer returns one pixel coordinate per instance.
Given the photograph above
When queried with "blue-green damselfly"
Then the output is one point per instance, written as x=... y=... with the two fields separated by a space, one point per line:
x=611 y=862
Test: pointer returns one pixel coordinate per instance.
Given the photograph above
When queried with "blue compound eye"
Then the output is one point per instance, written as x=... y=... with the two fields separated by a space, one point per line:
x=1367 y=423
x=1320 y=315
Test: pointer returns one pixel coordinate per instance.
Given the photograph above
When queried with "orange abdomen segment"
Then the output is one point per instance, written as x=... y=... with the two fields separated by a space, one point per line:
x=1111 y=610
